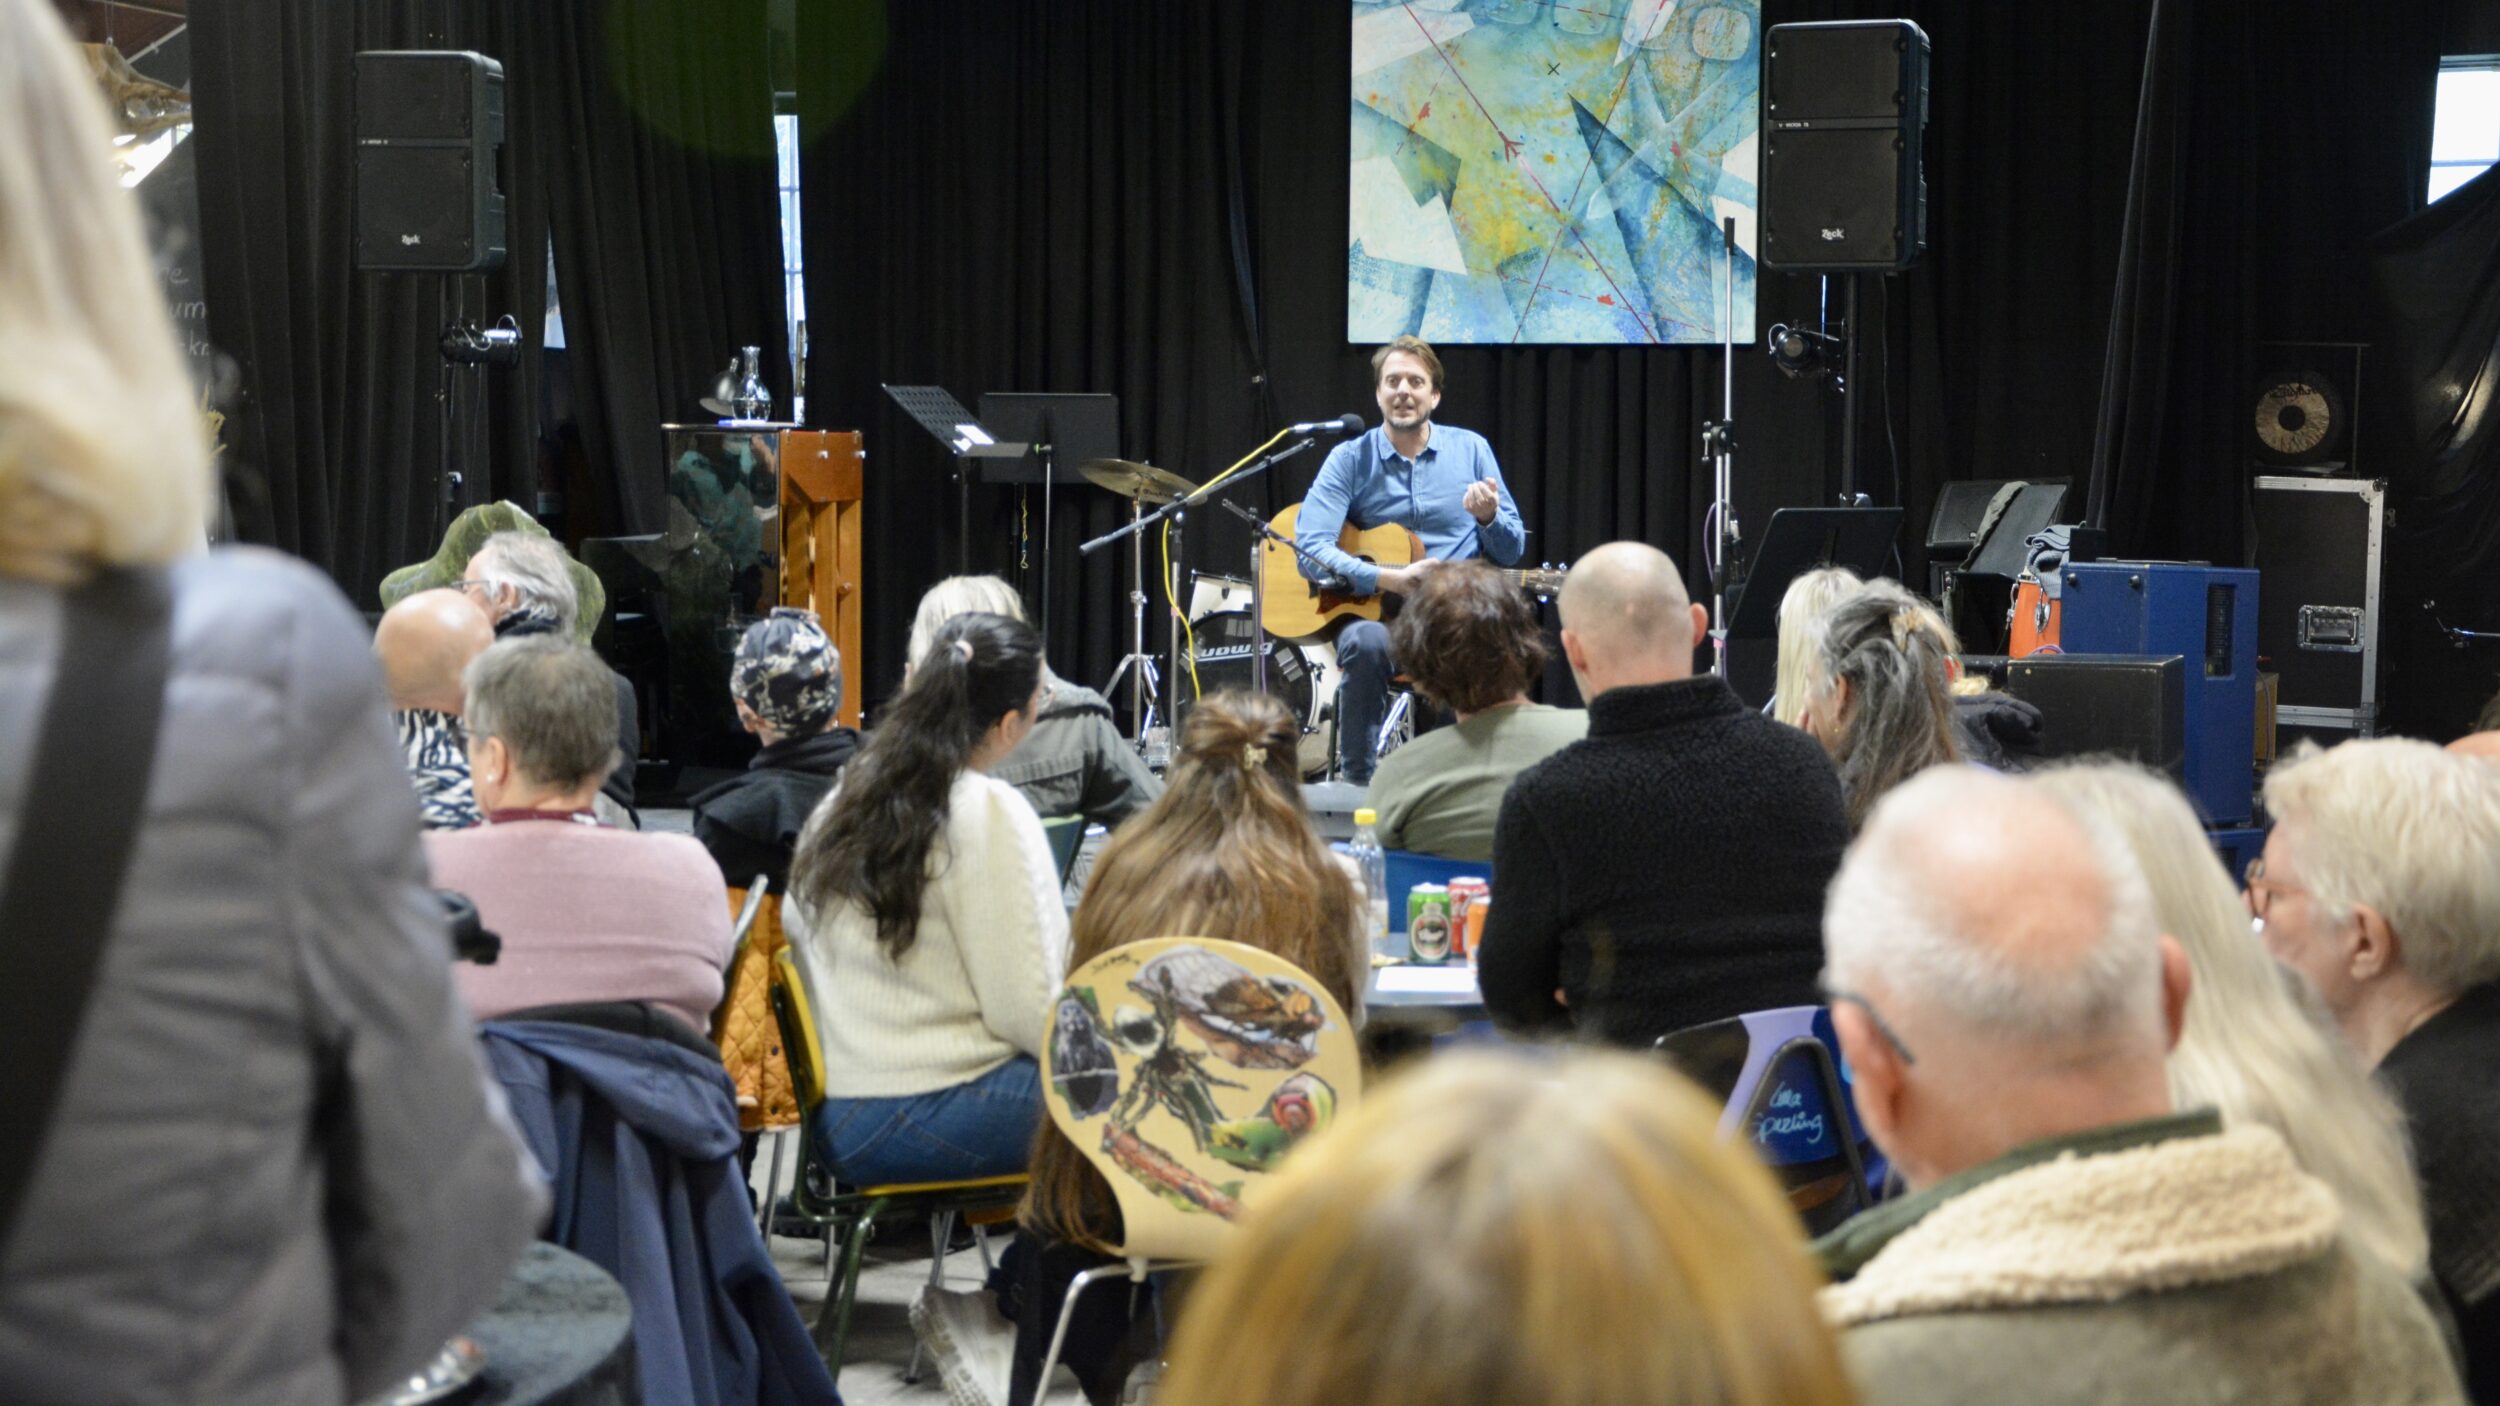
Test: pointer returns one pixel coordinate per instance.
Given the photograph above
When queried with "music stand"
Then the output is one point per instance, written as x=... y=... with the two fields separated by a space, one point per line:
x=1798 y=541
x=1075 y=428
x=967 y=440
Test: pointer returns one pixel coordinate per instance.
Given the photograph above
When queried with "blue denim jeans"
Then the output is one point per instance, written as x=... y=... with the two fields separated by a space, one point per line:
x=983 y=1128
x=1363 y=699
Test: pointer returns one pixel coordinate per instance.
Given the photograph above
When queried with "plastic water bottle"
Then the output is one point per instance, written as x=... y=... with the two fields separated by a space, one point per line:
x=1375 y=867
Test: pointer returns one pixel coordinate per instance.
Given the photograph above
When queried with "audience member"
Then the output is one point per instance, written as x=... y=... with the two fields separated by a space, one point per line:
x=1075 y=762
x=2006 y=1002
x=925 y=915
x=271 y=1171
x=524 y=583
x=586 y=913
x=1472 y=646
x=1668 y=869
x=1226 y=852
x=1510 y=1230
x=2257 y=1044
x=424 y=643
x=2482 y=746
x=786 y=680
x=1877 y=696
x=2379 y=886
x=1804 y=606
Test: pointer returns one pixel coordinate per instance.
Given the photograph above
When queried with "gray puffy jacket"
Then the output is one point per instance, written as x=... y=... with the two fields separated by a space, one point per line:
x=276 y=1174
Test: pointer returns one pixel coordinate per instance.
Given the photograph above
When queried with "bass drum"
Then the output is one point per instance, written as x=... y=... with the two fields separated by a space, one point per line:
x=1302 y=675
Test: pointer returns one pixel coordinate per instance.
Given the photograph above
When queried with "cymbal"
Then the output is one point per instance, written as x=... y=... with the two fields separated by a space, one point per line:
x=1143 y=482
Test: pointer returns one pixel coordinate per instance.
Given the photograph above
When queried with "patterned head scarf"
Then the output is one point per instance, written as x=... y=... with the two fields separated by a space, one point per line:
x=788 y=672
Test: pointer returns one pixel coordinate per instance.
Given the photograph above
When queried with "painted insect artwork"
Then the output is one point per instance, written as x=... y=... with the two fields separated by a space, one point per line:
x=1193 y=1041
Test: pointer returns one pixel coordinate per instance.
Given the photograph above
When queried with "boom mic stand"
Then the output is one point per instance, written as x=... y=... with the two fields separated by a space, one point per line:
x=1261 y=533
x=1175 y=512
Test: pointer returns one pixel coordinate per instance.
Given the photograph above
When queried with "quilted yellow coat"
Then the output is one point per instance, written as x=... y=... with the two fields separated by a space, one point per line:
x=749 y=1039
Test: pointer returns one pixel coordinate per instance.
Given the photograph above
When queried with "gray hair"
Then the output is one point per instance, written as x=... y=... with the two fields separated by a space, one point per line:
x=2409 y=830
x=1897 y=662
x=534 y=566
x=957 y=595
x=1919 y=908
x=552 y=702
x=2257 y=1043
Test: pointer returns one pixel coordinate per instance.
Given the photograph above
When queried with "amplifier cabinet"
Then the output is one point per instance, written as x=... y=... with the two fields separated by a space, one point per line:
x=2318 y=543
x=2101 y=705
x=2208 y=616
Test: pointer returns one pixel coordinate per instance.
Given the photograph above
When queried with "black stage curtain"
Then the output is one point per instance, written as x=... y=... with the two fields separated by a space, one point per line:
x=1148 y=199
x=2437 y=279
x=666 y=219
x=333 y=431
x=2269 y=143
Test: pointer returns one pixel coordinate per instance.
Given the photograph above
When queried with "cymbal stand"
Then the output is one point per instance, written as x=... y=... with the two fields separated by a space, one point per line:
x=1146 y=695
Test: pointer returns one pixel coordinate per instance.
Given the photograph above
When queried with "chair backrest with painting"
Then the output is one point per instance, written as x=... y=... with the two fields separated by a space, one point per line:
x=1186 y=1068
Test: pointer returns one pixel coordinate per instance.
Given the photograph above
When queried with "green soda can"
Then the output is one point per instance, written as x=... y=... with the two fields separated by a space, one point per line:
x=1428 y=922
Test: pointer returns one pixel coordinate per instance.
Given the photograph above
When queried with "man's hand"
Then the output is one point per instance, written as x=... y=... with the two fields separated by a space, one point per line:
x=1483 y=500
x=1402 y=580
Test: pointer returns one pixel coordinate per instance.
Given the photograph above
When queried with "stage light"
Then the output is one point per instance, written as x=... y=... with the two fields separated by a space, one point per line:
x=1799 y=351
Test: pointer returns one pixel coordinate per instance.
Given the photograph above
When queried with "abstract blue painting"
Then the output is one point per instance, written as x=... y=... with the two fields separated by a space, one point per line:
x=1552 y=170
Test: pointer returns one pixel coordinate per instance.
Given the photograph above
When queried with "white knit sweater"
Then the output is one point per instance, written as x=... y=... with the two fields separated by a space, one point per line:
x=975 y=988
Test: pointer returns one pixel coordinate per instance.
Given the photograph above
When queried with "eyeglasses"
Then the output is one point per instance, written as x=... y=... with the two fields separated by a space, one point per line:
x=2260 y=888
x=1883 y=1027
x=479 y=582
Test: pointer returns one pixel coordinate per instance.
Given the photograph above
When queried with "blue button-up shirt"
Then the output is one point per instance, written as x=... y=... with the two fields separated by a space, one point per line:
x=1367 y=483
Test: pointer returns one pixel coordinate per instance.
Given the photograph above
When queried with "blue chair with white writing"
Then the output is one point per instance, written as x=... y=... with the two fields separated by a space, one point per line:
x=1778 y=1075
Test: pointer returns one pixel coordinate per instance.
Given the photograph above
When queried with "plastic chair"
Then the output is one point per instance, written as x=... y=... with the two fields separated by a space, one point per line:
x=1185 y=1068
x=1777 y=1073
x=851 y=1217
x=1067 y=836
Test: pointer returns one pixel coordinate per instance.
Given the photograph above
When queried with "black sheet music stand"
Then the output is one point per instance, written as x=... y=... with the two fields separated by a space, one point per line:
x=966 y=439
x=1060 y=429
x=1800 y=540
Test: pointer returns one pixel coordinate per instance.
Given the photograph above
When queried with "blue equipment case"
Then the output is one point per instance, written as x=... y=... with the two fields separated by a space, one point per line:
x=2207 y=615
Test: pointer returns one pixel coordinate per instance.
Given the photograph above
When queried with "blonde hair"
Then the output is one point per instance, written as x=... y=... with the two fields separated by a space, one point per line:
x=102 y=457
x=1508 y=1229
x=2256 y=1043
x=2410 y=830
x=1803 y=606
x=957 y=595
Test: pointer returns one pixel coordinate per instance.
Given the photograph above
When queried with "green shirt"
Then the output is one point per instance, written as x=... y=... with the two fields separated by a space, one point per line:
x=1440 y=793
x=1847 y=1248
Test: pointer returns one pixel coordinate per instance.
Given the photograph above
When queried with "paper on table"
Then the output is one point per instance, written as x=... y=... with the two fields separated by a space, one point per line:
x=1435 y=981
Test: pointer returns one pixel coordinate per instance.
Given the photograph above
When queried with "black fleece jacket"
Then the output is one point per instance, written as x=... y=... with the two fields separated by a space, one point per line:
x=1664 y=872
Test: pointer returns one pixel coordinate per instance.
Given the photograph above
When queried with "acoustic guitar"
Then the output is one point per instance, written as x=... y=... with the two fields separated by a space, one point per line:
x=1295 y=606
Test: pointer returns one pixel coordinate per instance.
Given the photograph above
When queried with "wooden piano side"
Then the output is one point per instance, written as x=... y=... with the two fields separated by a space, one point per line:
x=822 y=472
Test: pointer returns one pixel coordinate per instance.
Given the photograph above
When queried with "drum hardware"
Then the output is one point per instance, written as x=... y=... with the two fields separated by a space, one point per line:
x=1140 y=484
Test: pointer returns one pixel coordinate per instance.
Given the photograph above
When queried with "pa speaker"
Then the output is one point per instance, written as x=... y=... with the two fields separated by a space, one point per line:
x=1844 y=112
x=429 y=125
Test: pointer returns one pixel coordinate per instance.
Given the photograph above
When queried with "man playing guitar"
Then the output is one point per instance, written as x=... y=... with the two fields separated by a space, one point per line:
x=1438 y=481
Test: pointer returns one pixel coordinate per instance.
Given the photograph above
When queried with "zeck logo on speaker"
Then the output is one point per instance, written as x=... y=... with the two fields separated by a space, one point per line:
x=1830 y=235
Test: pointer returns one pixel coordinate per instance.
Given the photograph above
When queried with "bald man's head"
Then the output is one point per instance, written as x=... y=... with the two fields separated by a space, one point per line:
x=2481 y=746
x=424 y=642
x=1627 y=620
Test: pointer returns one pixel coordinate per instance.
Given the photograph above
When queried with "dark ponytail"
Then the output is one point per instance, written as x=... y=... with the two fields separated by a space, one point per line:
x=870 y=844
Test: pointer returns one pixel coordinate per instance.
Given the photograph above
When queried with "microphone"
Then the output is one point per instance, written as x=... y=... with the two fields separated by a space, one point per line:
x=1343 y=424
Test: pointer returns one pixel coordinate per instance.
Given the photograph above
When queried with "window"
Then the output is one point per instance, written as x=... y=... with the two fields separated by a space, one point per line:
x=794 y=287
x=2465 y=130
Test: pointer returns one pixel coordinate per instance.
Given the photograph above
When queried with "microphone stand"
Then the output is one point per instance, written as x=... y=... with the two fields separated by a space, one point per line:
x=1718 y=444
x=1260 y=531
x=1175 y=512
